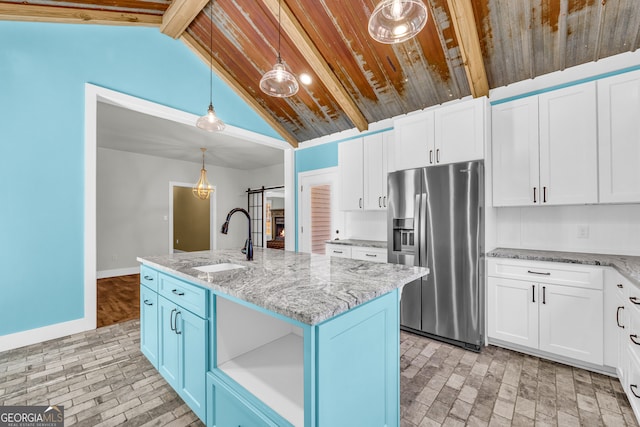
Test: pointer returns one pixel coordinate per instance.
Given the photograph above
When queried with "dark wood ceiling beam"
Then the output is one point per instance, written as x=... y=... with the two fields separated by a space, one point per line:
x=199 y=50
x=74 y=15
x=179 y=15
x=312 y=55
x=464 y=25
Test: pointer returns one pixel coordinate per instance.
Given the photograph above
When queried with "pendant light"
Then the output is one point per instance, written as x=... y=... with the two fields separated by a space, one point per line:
x=395 y=21
x=210 y=122
x=202 y=189
x=279 y=82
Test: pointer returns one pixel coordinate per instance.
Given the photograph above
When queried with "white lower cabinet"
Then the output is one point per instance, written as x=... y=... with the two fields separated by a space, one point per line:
x=547 y=307
x=364 y=253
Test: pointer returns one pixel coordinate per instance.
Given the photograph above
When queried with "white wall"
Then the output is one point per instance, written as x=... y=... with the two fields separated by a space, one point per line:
x=133 y=201
x=612 y=229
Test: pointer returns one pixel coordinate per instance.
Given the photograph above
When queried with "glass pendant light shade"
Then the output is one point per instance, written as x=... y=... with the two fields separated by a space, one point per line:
x=210 y=122
x=202 y=190
x=395 y=21
x=279 y=82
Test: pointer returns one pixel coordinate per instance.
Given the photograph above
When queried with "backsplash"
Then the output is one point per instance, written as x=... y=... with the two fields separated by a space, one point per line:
x=366 y=225
x=613 y=229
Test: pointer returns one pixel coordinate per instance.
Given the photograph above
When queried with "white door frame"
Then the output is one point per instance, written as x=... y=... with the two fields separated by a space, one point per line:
x=318 y=177
x=212 y=214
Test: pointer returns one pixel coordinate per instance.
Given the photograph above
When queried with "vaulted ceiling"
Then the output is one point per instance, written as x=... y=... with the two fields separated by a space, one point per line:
x=466 y=48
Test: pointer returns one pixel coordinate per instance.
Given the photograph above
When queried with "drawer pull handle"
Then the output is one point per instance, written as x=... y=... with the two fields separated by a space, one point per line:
x=620 y=286
x=618 y=317
x=175 y=291
x=337 y=252
x=148 y=278
x=147 y=302
x=371 y=255
x=634 y=300
x=633 y=339
x=633 y=387
x=171 y=320
x=533 y=293
x=538 y=272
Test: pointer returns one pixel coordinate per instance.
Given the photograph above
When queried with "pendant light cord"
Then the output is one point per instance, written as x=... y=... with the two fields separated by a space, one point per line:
x=210 y=59
x=279 y=59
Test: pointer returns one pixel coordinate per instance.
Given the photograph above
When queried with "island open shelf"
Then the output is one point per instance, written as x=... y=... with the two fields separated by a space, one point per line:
x=264 y=355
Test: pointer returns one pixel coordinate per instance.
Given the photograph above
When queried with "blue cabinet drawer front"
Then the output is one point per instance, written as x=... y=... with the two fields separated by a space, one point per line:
x=149 y=277
x=227 y=408
x=189 y=296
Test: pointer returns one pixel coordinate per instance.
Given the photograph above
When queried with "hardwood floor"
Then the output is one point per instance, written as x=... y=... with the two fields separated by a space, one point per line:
x=118 y=299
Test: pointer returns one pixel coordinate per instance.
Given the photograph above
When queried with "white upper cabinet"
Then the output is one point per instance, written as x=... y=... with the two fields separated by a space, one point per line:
x=619 y=138
x=363 y=164
x=459 y=131
x=516 y=172
x=414 y=140
x=568 y=145
x=351 y=169
x=545 y=149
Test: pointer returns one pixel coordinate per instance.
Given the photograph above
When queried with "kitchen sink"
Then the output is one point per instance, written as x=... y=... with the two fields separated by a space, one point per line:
x=217 y=268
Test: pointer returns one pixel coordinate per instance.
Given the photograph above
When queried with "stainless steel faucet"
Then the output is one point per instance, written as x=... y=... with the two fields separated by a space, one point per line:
x=248 y=244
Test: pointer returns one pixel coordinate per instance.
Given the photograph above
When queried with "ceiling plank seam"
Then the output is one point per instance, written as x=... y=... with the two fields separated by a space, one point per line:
x=464 y=25
x=73 y=15
x=312 y=55
x=199 y=50
x=179 y=15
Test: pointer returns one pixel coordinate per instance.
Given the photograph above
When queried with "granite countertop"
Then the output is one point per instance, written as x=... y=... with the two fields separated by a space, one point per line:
x=305 y=287
x=355 y=242
x=628 y=266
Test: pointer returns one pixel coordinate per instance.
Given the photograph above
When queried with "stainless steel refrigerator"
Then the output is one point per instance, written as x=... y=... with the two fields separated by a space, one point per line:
x=435 y=220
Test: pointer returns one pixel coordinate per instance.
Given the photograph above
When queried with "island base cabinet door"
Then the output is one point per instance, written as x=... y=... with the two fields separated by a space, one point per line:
x=192 y=331
x=513 y=311
x=168 y=342
x=354 y=390
x=149 y=324
x=571 y=322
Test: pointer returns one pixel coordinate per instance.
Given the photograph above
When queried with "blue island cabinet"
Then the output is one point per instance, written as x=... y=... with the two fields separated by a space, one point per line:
x=237 y=364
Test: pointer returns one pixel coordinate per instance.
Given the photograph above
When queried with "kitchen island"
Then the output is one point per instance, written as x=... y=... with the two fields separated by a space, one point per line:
x=287 y=339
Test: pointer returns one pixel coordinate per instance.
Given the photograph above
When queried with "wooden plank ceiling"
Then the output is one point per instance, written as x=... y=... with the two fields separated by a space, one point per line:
x=466 y=48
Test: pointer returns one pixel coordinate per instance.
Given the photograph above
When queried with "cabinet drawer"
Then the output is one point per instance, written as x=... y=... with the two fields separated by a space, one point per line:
x=149 y=277
x=149 y=324
x=227 y=408
x=547 y=272
x=189 y=296
x=341 y=251
x=369 y=254
x=632 y=388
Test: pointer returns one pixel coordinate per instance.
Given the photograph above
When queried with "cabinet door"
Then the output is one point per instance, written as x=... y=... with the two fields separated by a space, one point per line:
x=350 y=165
x=568 y=145
x=622 y=322
x=513 y=311
x=571 y=322
x=374 y=172
x=459 y=131
x=149 y=324
x=516 y=174
x=414 y=141
x=619 y=133
x=168 y=342
x=192 y=331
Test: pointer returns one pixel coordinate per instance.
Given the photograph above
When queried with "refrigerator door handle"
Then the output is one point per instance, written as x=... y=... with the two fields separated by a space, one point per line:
x=422 y=237
x=417 y=230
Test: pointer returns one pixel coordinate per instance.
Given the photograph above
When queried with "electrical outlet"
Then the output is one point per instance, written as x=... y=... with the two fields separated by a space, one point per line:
x=583 y=232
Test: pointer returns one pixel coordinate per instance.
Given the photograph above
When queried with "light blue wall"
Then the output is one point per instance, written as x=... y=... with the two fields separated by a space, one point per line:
x=43 y=69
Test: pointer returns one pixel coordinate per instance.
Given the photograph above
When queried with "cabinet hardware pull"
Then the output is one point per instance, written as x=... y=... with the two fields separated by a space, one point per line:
x=380 y=201
x=175 y=291
x=544 y=294
x=538 y=272
x=430 y=157
x=533 y=293
x=437 y=155
x=534 y=195
x=360 y=202
x=171 y=320
x=620 y=286
x=176 y=322
x=148 y=278
x=371 y=255
x=544 y=194
x=146 y=302
x=632 y=338
x=634 y=300
x=632 y=387
x=384 y=201
x=337 y=252
x=618 y=317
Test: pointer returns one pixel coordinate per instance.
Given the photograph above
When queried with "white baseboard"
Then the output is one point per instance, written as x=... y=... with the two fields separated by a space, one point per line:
x=45 y=333
x=117 y=272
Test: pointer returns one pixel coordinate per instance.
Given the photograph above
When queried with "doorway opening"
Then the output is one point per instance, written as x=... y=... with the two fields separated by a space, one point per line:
x=191 y=220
